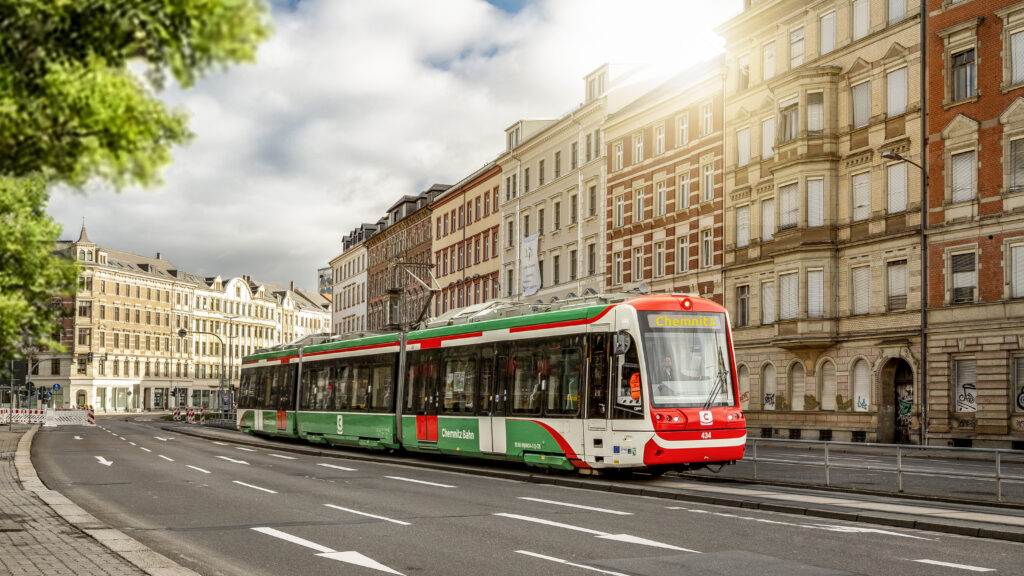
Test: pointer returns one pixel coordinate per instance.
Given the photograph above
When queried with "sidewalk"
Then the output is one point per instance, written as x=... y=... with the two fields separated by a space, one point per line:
x=44 y=533
x=983 y=521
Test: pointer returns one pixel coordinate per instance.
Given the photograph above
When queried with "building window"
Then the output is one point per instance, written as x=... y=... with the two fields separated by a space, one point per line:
x=638 y=264
x=768 y=387
x=897 y=278
x=574 y=209
x=963 y=76
x=767 y=220
x=742 y=72
x=861 y=18
x=896 y=178
x=574 y=156
x=1017 y=271
x=638 y=148
x=592 y=199
x=556 y=269
x=815 y=293
x=827 y=32
x=509 y=282
x=659 y=259
x=743 y=146
x=540 y=222
x=1018 y=383
x=768 y=60
x=789 y=117
x=660 y=198
x=896 y=92
x=683 y=191
x=707 y=119
x=526 y=180
x=617 y=156
x=815 y=113
x=1016 y=57
x=815 y=202
x=572 y=264
x=861 y=377
x=796 y=47
x=659 y=140
x=743 y=226
x=966 y=393
x=638 y=205
x=861 y=104
x=1017 y=164
x=682 y=256
x=707 y=254
x=742 y=306
x=861 y=184
x=767 y=302
x=85 y=337
x=558 y=164
x=540 y=173
x=964 y=176
x=789 y=297
x=795 y=386
x=964 y=277
x=789 y=206
x=591 y=259
x=617 y=268
x=707 y=182
x=620 y=210
x=767 y=138
x=683 y=130
x=511 y=233
x=861 y=286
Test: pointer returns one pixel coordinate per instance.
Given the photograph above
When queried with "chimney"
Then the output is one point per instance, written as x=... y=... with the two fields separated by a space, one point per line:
x=293 y=286
x=246 y=278
x=158 y=256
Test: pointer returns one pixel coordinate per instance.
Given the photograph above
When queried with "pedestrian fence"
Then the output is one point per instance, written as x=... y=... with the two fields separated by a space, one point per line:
x=931 y=471
x=83 y=416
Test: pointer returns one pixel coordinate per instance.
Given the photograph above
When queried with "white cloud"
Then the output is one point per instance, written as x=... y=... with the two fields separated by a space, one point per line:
x=353 y=104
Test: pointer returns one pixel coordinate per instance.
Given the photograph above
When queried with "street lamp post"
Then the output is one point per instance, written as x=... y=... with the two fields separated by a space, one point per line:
x=231 y=356
x=183 y=333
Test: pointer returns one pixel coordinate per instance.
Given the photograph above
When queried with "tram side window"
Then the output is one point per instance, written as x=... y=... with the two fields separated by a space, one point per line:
x=564 y=367
x=460 y=378
x=341 y=382
x=597 y=403
x=360 y=386
x=244 y=389
x=314 y=387
x=486 y=378
x=382 y=388
x=629 y=367
x=422 y=371
x=526 y=368
x=286 y=388
x=265 y=388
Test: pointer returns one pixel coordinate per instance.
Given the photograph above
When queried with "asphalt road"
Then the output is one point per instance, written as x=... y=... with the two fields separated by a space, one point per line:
x=219 y=509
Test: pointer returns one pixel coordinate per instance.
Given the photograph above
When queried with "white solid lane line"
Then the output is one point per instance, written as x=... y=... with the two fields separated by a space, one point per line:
x=368 y=515
x=246 y=449
x=282 y=456
x=960 y=566
x=166 y=458
x=567 y=563
x=420 y=482
x=233 y=460
x=146 y=449
x=336 y=467
x=597 y=533
x=580 y=506
x=197 y=468
x=221 y=443
x=161 y=438
x=133 y=443
x=254 y=487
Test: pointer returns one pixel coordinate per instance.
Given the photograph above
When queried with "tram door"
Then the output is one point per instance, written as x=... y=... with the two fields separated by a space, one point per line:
x=424 y=371
x=494 y=398
x=598 y=408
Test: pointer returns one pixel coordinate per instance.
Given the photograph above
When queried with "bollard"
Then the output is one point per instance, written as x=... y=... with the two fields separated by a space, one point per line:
x=177 y=413
x=202 y=416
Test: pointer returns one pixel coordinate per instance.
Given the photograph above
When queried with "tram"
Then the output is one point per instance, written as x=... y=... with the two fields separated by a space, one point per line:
x=642 y=382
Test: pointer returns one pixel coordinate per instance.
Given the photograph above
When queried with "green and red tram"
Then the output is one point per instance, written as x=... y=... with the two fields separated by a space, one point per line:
x=646 y=382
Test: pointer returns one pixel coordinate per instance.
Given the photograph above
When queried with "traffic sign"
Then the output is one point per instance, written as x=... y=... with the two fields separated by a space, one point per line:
x=56 y=387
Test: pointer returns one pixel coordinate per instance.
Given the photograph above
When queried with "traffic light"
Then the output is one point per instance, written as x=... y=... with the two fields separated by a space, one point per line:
x=89 y=357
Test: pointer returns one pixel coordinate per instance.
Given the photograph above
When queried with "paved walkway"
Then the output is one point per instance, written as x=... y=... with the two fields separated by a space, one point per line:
x=44 y=533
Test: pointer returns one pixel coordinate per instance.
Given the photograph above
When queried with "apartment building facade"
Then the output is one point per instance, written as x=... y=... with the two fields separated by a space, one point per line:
x=975 y=224
x=823 y=217
x=466 y=227
x=349 y=277
x=664 y=179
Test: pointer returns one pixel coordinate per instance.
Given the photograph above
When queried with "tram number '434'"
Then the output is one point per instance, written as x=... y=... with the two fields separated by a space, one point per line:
x=705 y=435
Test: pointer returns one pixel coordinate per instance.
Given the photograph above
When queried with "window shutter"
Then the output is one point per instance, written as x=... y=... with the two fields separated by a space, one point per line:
x=789 y=206
x=828 y=32
x=768 y=138
x=768 y=303
x=861 y=196
x=861 y=289
x=897 y=187
x=1017 y=163
x=815 y=112
x=768 y=387
x=896 y=92
x=828 y=386
x=861 y=18
x=963 y=176
x=815 y=296
x=790 y=301
x=897 y=276
x=743 y=146
x=966 y=385
x=815 y=203
x=743 y=226
x=861 y=104
x=861 y=383
x=963 y=277
x=767 y=219
x=1017 y=56
x=897 y=10
x=1017 y=272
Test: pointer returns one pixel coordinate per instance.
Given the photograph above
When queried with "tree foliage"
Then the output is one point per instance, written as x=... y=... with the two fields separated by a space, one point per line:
x=78 y=84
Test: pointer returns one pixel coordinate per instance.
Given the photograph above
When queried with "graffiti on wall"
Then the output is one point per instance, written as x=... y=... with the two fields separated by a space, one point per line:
x=904 y=405
x=966 y=397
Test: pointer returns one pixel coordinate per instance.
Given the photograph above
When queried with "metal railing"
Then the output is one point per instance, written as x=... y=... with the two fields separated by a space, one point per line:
x=962 y=473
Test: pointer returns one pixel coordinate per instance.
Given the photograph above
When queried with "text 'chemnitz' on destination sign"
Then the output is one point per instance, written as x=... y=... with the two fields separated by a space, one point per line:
x=684 y=320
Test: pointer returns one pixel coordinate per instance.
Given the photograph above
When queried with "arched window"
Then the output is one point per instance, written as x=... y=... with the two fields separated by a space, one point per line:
x=861 y=377
x=795 y=386
x=827 y=385
x=743 y=375
x=768 y=386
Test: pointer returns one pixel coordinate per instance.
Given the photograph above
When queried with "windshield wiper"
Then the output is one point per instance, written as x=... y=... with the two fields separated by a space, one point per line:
x=719 y=381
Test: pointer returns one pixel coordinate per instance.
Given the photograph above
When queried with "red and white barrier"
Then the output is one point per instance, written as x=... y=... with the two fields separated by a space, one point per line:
x=202 y=416
x=191 y=415
x=48 y=417
x=177 y=413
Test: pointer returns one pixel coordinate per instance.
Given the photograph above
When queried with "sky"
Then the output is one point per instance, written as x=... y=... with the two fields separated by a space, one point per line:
x=355 y=103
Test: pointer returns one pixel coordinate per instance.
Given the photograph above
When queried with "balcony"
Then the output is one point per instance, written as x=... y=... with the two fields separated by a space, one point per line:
x=805 y=333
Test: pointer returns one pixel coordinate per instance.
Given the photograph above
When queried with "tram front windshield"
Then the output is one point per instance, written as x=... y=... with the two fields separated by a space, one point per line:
x=687 y=358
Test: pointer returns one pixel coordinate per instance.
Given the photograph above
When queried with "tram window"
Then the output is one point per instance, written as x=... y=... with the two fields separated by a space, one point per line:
x=360 y=386
x=266 y=388
x=382 y=388
x=563 y=383
x=313 y=387
x=626 y=406
x=598 y=382
x=486 y=378
x=421 y=374
x=528 y=369
x=460 y=378
x=286 y=393
x=341 y=381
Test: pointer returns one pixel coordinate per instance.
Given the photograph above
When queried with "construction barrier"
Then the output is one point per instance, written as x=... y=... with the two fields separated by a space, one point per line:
x=177 y=414
x=202 y=416
x=49 y=417
x=191 y=415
